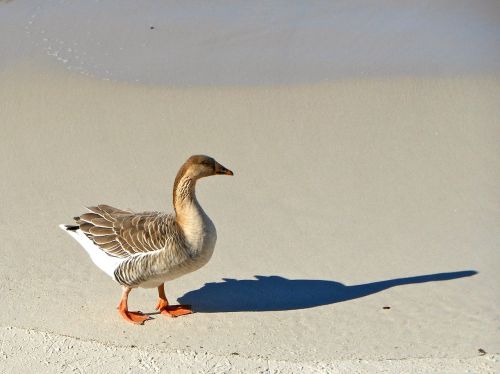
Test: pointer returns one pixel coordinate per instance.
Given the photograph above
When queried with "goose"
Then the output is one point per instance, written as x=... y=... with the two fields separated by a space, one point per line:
x=147 y=249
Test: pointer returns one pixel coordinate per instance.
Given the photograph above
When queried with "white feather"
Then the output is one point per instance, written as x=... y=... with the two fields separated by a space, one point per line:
x=103 y=261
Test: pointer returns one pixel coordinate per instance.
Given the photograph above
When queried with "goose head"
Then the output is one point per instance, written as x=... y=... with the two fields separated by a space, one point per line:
x=200 y=166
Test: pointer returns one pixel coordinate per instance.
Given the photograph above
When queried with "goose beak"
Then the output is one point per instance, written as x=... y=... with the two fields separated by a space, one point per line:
x=219 y=169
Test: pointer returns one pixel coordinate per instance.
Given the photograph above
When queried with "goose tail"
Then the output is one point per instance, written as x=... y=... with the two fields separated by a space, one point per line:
x=69 y=227
x=101 y=259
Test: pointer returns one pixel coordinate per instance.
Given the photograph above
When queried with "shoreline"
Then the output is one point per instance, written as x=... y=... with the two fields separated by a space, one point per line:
x=264 y=44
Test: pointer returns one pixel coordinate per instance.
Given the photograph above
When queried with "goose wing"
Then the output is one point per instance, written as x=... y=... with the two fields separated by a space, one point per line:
x=120 y=233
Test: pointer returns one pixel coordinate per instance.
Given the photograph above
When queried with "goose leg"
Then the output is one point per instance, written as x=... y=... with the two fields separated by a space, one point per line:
x=132 y=317
x=170 y=310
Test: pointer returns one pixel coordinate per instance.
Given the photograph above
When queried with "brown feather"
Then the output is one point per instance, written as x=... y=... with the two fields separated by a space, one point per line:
x=101 y=231
x=85 y=227
x=102 y=222
x=110 y=245
x=104 y=239
x=95 y=209
x=88 y=217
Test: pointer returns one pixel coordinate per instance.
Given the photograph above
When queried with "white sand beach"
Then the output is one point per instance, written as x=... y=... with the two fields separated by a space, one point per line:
x=366 y=165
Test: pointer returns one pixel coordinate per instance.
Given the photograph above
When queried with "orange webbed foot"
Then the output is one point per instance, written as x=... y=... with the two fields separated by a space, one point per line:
x=177 y=310
x=137 y=318
x=173 y=310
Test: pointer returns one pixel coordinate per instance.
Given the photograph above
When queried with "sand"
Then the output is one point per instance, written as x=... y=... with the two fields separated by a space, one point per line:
x=349 y=195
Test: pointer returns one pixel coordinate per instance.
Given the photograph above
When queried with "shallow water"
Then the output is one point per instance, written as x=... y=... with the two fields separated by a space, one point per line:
x=253 y=43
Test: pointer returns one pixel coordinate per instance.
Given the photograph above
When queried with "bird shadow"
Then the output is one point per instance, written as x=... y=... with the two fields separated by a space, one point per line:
x=275 y=293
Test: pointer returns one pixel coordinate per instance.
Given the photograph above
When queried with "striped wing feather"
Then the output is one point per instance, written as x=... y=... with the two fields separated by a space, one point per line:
x=121 y=234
